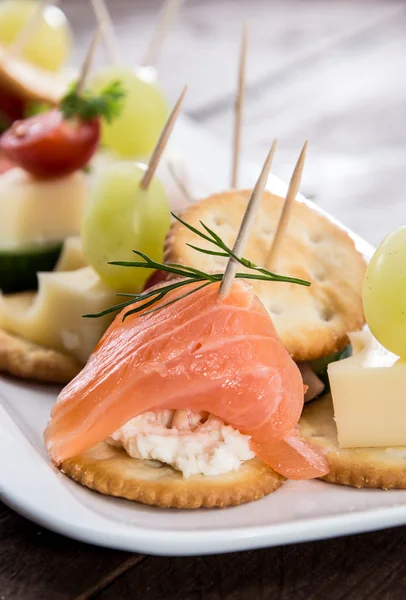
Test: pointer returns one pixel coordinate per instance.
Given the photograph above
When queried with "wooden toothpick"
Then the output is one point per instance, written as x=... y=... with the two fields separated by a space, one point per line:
x=180 y=184
x=246 y=224
x=110 y=37
x=27 y=32
x=165 y=19
x=161 y=144
x=293 y=189
x=87 y=63
x=239 y=106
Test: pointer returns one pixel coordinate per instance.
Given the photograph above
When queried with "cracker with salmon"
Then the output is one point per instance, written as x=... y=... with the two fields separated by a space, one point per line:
x=311 y=322
x=199 y=353
x=112 y=471
x=356 y=467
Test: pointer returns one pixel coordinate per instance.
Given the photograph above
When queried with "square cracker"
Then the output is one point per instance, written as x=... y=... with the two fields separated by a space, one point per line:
x=311 y=321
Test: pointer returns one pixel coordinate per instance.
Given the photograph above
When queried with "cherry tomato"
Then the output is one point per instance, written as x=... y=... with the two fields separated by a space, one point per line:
x=5 y=164
x=48 y=145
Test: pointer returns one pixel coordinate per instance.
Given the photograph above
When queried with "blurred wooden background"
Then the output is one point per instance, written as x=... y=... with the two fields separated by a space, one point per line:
x=328 y=70
x=331 y=71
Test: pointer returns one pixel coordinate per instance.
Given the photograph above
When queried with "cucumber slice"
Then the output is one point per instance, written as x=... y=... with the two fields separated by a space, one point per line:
x=320 y=365
x=18 y=268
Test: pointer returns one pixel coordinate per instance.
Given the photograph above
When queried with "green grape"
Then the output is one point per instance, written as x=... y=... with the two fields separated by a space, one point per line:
x=385 y=293
x=50 y=44
x=122 y=217
x=135 y=132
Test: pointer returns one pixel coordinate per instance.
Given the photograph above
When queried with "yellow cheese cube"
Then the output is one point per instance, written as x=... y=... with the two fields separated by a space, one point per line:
x=369 y=395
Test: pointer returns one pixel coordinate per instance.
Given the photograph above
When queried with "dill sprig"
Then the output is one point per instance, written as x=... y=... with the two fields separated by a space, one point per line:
x=85 y=105
x=188 y=274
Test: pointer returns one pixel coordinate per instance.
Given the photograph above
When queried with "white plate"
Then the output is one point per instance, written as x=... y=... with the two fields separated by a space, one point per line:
x=299 y=511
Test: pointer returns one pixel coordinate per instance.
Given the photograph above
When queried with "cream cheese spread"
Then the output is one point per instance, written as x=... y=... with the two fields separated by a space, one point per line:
x=191 y=442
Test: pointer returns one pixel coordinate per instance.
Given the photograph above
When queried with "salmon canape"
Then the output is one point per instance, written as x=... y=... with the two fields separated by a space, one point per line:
x=193 y=377
x=200 y=353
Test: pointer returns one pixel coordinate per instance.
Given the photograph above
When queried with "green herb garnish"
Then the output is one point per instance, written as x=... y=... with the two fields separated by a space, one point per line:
x=107 y=104
x=189 y=275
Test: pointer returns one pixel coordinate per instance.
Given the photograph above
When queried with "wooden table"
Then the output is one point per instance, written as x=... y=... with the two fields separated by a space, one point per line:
x=329 y=71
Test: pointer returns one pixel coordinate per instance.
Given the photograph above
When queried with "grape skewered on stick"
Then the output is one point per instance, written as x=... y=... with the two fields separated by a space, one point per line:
x=128 y=209
x=135 y=132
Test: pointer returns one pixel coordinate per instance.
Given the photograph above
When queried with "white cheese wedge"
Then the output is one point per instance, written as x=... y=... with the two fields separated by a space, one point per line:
x=71 y=256
x=34 y=211
x=369 y=395
x=53 y=317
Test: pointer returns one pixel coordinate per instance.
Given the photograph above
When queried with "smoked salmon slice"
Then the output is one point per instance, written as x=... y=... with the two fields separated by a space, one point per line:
x=200 y=353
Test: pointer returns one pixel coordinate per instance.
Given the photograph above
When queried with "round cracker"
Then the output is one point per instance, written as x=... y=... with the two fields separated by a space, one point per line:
x=29 y=361
x=311 y=322
x=111 y=471
x=356 y=467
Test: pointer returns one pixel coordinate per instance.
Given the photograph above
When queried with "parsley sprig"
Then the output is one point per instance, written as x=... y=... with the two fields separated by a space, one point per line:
x=187 y=274
x=86 y=105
